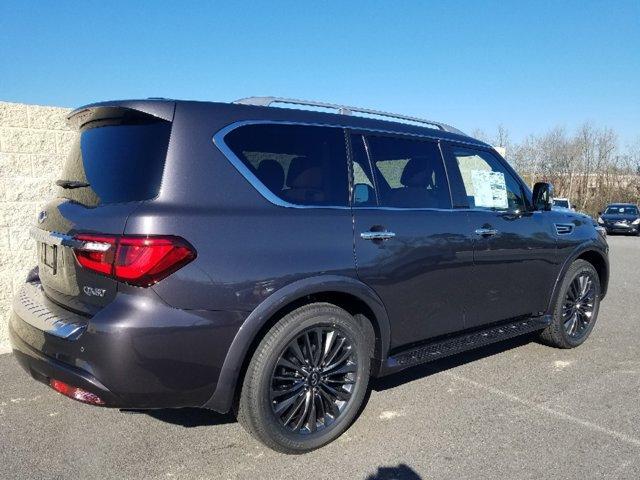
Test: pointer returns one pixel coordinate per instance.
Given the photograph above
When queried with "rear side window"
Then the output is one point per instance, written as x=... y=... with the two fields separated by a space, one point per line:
x=302 y=165
x=119 y=162
x=408 y=173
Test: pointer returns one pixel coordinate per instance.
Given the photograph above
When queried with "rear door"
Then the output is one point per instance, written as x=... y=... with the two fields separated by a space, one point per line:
x=411 y=246
x=116 y=162
x=515 y=250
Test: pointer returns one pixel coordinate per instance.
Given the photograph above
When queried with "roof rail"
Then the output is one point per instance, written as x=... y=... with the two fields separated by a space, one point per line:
x=343 y=110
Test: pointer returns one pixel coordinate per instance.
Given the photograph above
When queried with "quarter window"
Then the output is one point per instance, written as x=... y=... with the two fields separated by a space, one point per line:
x=303 y=165
x=488 y=184
x=408 y=173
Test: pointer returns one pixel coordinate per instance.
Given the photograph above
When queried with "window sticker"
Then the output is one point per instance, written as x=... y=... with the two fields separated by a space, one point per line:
x=490 y=189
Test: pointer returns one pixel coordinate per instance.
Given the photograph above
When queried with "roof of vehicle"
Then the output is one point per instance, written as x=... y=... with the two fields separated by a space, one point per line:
x=621 y=205
x=164 y=108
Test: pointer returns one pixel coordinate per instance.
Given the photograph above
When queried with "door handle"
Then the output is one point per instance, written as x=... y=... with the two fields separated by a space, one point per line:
x=383 y=235
x=486 y=232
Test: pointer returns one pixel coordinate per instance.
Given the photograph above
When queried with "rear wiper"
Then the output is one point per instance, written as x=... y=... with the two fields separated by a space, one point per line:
x=71 y=184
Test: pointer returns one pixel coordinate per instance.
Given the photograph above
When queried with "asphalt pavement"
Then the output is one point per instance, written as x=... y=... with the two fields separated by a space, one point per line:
x=518 y=410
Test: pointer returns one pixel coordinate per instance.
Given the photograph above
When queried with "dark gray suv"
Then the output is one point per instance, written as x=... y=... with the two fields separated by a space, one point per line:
x=271 y=260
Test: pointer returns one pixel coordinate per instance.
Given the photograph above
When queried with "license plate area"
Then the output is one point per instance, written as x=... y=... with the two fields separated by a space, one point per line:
x=49 y=257
x=621 y=225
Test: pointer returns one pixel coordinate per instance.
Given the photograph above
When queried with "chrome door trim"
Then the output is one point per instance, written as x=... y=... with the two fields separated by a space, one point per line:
x=486 y=232
x=384 y=235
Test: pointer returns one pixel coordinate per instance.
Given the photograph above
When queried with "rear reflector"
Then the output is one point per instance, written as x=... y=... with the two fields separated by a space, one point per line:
x=140 y=261
x=75 y=392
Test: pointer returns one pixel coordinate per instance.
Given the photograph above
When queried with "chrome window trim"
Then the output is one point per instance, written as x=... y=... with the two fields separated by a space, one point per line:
x=218 y=141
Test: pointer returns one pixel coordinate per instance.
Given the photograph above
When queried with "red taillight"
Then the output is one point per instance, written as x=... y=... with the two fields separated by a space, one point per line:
x=76 y=393
x=97 y=254
x=145 y=261
x=140 y=261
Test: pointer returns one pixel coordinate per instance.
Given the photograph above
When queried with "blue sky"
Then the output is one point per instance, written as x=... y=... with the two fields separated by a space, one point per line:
x=527 y=65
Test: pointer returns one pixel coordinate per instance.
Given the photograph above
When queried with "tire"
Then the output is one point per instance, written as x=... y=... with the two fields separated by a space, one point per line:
x=262 y=408
x=571 y=324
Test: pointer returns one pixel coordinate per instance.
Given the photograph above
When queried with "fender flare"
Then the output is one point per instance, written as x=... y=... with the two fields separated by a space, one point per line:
x=589 y=246
x=222 y=398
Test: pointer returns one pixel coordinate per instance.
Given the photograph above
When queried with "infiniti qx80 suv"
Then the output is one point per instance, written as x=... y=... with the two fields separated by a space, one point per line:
x=271 y=260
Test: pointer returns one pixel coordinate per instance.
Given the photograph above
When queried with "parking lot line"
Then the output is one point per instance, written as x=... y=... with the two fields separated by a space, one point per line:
x=543 y=408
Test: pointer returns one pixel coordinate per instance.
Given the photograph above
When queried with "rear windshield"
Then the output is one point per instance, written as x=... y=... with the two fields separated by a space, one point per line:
x=120 y=162
x=621 y=210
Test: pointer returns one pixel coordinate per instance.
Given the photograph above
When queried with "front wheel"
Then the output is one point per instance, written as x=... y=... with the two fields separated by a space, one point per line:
x=306 y=380
x=576 y=308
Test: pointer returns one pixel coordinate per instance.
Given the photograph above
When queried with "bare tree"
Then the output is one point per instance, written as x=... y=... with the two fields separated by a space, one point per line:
x=588 y=166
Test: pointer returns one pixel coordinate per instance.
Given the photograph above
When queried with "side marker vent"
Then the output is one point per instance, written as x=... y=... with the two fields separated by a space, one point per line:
x=564 y=228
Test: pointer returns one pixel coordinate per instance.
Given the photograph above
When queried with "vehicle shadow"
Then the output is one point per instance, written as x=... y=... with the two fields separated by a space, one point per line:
x=187 y=417
x=401 y=472
x=196 y=417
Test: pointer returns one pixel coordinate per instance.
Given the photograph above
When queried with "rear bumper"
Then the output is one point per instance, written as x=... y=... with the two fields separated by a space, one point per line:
x=137 y=352
x=43 y=369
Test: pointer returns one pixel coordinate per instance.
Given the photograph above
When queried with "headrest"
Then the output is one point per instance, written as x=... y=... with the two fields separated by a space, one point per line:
x=310 y=168
x=271 y=174
x=416 y=174
x=311 y=178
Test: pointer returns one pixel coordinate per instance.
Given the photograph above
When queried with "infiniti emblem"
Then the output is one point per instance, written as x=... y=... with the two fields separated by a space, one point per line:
x=42 y=216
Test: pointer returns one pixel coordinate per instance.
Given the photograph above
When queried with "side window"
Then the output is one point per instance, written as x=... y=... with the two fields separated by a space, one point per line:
x=303 y=165
x=408 y=173
x=487 y=182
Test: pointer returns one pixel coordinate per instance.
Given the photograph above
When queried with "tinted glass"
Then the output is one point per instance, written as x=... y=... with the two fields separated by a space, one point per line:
x=408 y=173
x=621 y=210
x=303 y=165
x=487 y=182
x=121 y=163
x=363 y=188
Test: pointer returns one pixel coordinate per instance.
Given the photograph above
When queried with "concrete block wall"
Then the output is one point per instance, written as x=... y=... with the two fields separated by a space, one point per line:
x=34 y=142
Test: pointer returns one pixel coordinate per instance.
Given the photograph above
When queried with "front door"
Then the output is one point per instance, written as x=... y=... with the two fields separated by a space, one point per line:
x=411 y=247
x=515 y=250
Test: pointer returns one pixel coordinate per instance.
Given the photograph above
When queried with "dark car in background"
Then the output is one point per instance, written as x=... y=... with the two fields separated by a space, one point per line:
x=621 y=218
x=271 y=260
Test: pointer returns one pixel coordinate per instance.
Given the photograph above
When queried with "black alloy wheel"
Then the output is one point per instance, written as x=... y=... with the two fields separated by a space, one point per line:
x=578 y=308
x=313 y=379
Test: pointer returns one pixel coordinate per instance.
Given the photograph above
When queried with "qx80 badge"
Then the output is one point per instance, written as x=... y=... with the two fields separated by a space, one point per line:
x=93 y=292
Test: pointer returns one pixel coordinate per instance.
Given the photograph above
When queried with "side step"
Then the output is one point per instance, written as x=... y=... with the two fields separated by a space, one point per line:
x=465 y=341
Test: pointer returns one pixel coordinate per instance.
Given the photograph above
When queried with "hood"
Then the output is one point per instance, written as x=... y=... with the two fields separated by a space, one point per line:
x=618 y=216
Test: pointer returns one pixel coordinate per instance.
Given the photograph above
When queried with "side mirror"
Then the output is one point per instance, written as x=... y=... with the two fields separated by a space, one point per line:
x=542 y=196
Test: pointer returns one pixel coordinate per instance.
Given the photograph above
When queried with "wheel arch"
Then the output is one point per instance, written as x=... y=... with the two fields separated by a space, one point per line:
x=345 y=292
x=590 y=253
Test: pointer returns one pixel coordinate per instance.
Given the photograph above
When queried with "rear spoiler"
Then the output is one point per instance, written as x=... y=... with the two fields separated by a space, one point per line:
x=161 y=109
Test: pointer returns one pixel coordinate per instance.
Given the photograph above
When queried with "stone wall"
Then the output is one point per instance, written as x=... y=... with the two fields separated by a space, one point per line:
x=34 y=141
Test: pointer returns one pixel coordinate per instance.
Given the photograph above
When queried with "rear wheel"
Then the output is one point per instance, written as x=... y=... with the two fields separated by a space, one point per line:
x=307 y=379
x=576 y=308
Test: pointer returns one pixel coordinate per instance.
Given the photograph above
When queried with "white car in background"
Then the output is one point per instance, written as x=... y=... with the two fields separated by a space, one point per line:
x=563 y=203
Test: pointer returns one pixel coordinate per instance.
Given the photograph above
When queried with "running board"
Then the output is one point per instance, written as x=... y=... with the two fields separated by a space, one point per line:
x=465 y=341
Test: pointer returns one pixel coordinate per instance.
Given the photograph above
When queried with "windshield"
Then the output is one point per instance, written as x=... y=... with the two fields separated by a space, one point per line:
x=622 y=210
x=561 y=203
